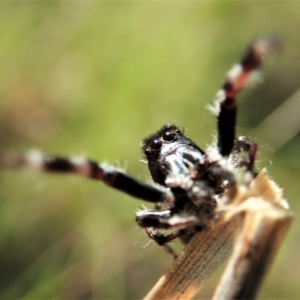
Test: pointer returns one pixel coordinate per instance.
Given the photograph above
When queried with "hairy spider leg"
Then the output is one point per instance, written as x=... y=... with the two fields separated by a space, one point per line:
x=162 y=239
x=183 y=226
x=170 y=250
x=237 y=78
x=111 y=176
x=242 y=143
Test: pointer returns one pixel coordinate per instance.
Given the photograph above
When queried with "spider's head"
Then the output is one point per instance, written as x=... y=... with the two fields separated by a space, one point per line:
x=170 y=153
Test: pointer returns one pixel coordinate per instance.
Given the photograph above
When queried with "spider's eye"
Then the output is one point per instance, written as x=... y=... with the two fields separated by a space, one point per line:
x=169 y=136
x=156 y=144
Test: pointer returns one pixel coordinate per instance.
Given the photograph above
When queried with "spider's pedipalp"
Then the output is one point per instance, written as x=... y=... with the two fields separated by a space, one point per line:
x=165 y=219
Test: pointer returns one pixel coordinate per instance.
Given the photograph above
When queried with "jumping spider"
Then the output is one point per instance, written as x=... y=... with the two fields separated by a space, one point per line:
x=188 y=180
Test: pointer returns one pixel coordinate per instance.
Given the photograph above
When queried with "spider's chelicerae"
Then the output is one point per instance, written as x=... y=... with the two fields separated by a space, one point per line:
x=188 y=180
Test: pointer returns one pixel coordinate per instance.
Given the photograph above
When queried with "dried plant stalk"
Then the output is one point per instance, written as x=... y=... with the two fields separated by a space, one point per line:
x=254 y=250
x=203 y=254
x=265 y=221
x=255 y=220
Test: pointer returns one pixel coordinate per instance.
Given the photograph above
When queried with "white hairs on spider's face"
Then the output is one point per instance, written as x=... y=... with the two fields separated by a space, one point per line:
x=212 y=151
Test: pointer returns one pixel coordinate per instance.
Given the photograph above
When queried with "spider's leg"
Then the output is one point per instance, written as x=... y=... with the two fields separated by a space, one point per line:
x=244 y=144
x=170 y=251
x=152 y=221
x=237 y=78
x=111 y=176
x=162 y=239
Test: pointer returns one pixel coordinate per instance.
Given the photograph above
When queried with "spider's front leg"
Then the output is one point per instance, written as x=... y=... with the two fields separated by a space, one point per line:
x=111 y=176
x=237 y=78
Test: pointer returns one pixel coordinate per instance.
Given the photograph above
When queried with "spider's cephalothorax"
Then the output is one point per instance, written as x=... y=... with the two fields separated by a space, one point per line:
x=172 y=156
x=177 y=162
x=188 y=180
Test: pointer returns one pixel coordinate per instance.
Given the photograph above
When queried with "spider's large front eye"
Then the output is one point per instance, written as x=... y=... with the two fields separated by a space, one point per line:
x=169 y=136
x=156 y=144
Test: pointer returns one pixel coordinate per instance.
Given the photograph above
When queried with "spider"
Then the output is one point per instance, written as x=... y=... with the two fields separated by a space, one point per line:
x=188 y=180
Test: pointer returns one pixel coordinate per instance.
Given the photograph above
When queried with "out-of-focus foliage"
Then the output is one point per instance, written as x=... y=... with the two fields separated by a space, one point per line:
x=96 y=77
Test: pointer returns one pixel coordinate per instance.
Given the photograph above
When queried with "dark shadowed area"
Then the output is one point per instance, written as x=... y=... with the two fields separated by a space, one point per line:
x=94 y=78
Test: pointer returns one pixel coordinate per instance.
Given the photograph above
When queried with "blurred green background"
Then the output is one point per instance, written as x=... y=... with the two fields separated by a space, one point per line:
x=94 y=78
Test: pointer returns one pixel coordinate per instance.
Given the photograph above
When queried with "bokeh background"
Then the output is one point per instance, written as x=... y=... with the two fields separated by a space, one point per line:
x=96 y=77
